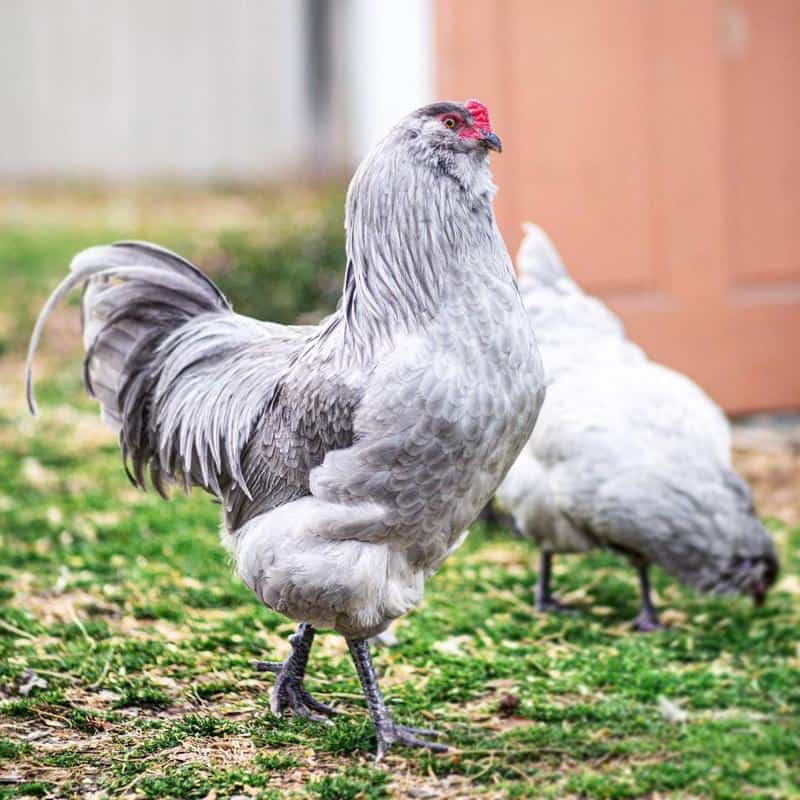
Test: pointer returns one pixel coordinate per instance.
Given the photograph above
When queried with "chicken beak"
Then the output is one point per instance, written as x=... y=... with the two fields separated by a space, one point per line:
x=491 y=141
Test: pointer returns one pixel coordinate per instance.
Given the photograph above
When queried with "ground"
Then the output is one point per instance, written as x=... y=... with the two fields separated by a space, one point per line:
x=126 y=646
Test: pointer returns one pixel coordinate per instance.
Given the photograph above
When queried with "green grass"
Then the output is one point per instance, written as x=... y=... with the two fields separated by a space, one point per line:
x=126 y=606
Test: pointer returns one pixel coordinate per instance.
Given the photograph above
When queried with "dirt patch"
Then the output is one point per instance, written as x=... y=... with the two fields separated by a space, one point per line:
x=767 y=454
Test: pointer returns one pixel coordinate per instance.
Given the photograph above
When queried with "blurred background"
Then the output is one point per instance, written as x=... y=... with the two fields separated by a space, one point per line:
x=656 y=141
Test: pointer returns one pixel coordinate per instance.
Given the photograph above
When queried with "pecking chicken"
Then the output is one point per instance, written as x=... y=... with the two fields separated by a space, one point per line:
x=627 y=454
x=348 y=457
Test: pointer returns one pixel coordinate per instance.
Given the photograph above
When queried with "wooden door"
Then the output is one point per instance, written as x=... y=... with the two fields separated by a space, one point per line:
x=658 y=142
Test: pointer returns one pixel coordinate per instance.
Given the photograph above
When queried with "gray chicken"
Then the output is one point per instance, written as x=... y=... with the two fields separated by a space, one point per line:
x=349 y=456
x=627 y=454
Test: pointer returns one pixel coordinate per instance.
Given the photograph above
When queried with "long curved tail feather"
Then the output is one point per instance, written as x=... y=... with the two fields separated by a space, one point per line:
x=107 y=312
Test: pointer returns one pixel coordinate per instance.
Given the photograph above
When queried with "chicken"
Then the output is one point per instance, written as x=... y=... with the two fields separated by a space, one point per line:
x=627 y=454
x=348 y=457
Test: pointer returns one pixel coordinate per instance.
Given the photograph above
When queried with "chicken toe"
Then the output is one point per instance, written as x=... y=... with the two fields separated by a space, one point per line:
x=289 y=690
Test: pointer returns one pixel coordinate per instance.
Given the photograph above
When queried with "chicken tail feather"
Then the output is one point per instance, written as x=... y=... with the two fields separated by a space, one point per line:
x=135 y=295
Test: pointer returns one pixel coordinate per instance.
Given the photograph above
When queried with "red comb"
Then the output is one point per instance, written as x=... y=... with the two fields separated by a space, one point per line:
x=480 y=114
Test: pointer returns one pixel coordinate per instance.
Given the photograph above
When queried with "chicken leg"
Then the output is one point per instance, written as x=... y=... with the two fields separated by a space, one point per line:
x=647 y=620
x=289 y=691
x=387 y=731
x=545 y=602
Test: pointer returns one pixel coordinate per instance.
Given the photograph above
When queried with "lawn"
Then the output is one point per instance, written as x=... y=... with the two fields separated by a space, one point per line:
x=126 y=643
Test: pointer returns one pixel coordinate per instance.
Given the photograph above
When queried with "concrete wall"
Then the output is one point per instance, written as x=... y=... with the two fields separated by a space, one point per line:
x=249 y=90
x=390 y=67
x=137 y=88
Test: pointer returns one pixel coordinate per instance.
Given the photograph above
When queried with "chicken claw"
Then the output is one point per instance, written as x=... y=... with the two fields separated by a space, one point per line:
x=390 y=732
x=549 y=605
x=646 y=623
x=289 y=691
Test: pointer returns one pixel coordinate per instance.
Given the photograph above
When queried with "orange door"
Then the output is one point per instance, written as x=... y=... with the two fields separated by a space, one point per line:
x=658 y=142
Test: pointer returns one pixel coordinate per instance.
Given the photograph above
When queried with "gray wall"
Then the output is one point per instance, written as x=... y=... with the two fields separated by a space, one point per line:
x=190 y=89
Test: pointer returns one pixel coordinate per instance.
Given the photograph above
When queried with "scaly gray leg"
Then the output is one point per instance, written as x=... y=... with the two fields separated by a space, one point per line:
x=289 y=691
x=388 y=731
x=647 y=621
x=545 y=602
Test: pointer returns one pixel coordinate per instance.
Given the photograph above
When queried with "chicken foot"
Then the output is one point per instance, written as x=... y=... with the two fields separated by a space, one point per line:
x=387 y=731
x=289 y=691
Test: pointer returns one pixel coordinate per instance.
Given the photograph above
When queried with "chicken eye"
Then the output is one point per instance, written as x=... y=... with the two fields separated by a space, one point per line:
x=450 y=123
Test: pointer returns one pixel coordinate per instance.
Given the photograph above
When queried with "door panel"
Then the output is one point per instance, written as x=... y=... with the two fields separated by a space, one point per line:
x=761 y=50
x=657 y=142
x=584 y=128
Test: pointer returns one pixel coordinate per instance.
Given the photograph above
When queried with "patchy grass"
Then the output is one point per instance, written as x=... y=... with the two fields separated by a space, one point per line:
x=128 y=610
x=142 y=640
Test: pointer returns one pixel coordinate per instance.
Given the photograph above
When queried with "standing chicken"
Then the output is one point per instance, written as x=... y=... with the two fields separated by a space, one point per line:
x=348 y=457
x=626 y=455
